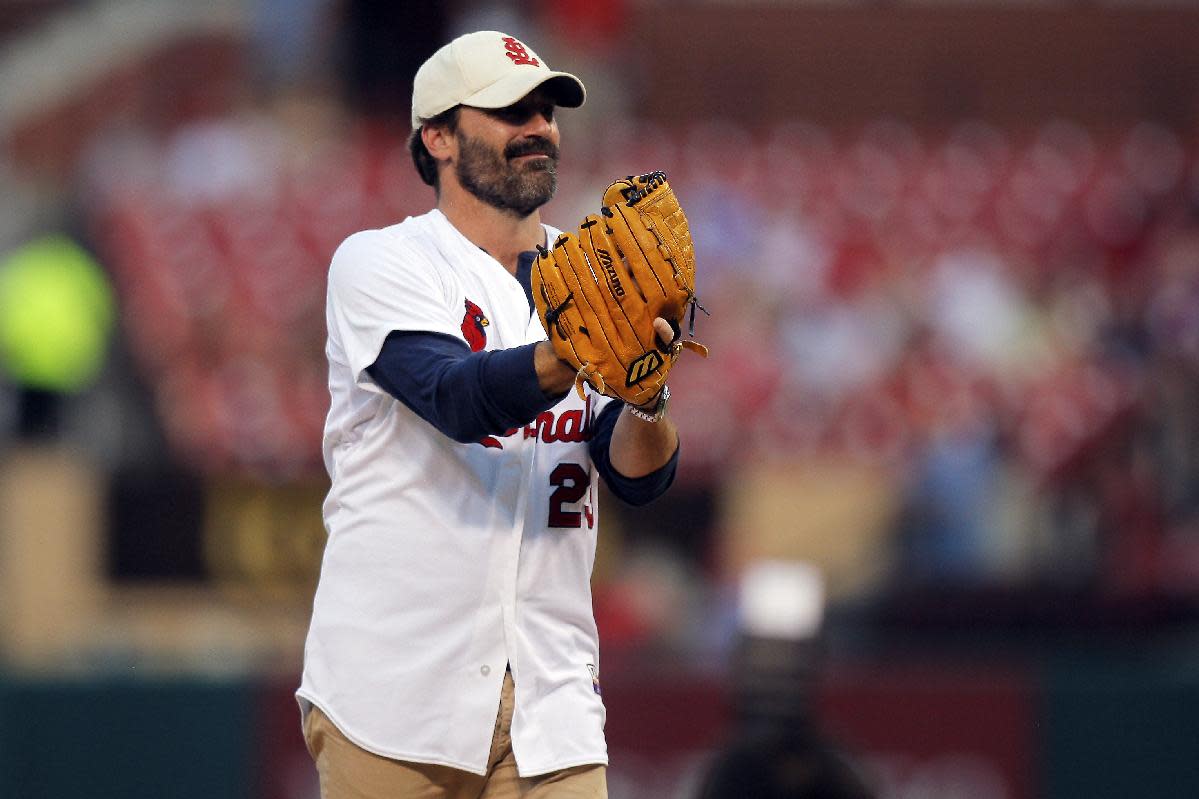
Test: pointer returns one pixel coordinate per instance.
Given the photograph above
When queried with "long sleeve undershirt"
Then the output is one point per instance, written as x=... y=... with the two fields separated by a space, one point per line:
x=469 y=395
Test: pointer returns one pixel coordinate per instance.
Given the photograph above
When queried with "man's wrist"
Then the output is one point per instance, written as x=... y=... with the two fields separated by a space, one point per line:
x=554 y=375
x=655 y=411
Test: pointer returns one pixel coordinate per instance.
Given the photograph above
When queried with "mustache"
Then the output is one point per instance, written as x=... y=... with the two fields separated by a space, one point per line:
x=534 y=145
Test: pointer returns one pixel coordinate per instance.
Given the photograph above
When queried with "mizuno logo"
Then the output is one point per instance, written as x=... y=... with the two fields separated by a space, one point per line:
x=605 y=258
x=643 y=366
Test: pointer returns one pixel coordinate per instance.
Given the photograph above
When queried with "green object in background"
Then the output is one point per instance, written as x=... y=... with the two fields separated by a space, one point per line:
x=56 y=313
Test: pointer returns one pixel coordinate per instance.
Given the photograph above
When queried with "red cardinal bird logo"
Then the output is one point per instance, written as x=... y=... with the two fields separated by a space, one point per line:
x=474 y=325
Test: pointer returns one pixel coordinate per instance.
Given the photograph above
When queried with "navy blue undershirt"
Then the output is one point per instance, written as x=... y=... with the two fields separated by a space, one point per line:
x=469 y=395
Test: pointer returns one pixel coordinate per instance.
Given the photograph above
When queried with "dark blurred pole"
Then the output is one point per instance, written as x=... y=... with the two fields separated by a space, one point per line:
x=39 y=414
x=383 y=44
x=778 y=750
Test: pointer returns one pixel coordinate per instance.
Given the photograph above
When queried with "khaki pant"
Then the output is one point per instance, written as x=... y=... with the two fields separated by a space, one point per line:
x=349 y=772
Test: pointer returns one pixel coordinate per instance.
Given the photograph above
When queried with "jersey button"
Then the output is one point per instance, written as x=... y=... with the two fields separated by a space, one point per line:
x=485 y=670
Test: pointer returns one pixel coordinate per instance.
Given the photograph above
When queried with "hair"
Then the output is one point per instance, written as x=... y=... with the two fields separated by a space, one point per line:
x=425 y=163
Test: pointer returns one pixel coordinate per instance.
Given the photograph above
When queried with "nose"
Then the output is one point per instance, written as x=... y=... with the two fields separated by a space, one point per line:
x=539 y=124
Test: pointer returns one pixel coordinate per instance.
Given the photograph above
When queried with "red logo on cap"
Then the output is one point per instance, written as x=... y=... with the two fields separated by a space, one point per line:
x=518 y=53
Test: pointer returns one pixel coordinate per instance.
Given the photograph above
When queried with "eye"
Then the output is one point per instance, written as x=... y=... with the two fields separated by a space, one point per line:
x=520 y=113
x=513 y=114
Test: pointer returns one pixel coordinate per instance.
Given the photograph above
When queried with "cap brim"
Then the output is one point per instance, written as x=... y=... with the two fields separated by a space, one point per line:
x=566 y=89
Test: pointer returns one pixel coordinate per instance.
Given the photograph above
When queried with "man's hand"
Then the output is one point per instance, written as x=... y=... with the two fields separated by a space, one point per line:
x=613 y=296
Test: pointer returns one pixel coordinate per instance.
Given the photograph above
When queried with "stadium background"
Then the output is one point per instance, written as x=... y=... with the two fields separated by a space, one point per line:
x=951 y=252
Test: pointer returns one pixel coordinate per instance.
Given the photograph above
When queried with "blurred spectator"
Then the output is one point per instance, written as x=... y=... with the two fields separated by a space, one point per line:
x=293 y=40
x=778 y=750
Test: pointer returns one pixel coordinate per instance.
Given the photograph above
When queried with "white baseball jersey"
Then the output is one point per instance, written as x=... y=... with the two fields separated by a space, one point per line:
x=446 y=561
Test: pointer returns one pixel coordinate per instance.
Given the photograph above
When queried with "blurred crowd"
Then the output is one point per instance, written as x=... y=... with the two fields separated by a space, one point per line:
x=1005 y=322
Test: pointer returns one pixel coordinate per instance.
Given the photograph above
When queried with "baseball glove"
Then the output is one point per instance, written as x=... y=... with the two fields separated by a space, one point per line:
x=598 y=292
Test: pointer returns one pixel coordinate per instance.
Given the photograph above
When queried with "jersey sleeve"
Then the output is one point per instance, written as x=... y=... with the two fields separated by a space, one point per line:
x=630 y=490
x=466 y=395
x=379 y=284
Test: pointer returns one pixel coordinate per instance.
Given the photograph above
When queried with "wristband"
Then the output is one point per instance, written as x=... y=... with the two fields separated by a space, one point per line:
x=659 y=408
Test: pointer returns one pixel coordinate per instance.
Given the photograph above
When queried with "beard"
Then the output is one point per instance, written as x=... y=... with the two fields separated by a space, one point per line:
x=519 y=189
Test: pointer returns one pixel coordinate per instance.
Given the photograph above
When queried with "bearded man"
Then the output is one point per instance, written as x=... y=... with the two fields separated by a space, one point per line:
x=453 y=650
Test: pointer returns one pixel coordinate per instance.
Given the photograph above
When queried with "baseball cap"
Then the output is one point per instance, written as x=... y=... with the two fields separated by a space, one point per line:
x=486 y=69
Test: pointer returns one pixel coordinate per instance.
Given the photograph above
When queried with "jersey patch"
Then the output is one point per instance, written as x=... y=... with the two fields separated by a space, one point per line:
x=474 y=327
x=595 y=683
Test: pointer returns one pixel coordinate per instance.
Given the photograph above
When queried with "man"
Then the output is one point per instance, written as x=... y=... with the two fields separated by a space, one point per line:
x=453 y=650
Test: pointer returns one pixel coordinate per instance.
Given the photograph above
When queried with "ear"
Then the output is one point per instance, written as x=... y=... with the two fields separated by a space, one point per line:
x=440 y=143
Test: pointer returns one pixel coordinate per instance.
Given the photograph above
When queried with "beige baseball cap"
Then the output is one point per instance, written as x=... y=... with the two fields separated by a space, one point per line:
x=486 y=69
